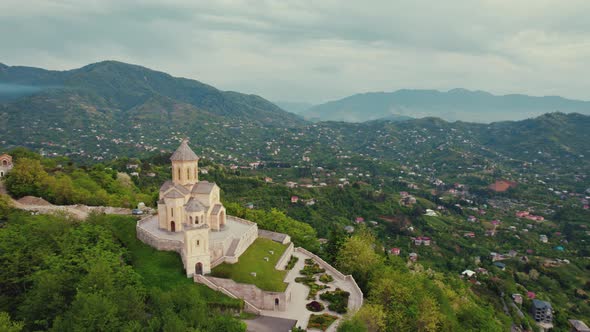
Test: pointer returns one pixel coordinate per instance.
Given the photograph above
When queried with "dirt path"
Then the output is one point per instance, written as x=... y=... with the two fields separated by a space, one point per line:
x=36 y=204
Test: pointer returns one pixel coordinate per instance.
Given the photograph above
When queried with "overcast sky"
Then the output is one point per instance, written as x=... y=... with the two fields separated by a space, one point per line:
x=316 y=50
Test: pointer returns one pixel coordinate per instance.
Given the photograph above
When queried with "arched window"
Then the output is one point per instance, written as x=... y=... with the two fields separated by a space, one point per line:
x=5 y=162
x=198 y=243
x=172 y=212
x=179 y=173
x=191 y=220
x=188 y=174
x=196 y=172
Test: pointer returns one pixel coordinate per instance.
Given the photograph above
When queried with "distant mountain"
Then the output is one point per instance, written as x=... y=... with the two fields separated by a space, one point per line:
x=453 y=105
x=118 y=91
x=294 y=106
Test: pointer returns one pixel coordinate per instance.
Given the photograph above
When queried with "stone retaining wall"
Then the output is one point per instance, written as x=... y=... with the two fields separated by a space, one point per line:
x=282 y=263
x=155 y=242
x=254 y=297
x=246 y=240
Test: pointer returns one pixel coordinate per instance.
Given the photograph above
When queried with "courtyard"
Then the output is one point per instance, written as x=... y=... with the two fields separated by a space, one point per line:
x=253 y=261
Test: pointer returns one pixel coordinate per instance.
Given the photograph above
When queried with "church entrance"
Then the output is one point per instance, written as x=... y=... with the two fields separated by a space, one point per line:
x=276 y=302
x=199 y=268
x=221 y=219
x=172 y=226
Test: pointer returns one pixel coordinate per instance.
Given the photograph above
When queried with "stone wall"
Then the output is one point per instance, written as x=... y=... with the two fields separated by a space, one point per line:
x=277 y=237
x=253 y=296
x=246 y=240
x=282 y=263
x=155 y=242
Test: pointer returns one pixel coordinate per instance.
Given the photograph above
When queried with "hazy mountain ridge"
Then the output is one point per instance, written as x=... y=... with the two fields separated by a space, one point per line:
x=124 y=86
x=453 y=105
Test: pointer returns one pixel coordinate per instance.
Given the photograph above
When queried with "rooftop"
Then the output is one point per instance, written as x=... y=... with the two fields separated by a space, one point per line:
x=184 y=153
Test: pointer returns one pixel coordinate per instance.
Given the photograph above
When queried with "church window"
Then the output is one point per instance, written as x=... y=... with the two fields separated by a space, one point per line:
x=198 y=242
x=195 y=173
x=188 y=174
x=171 y=212
x=179 y=174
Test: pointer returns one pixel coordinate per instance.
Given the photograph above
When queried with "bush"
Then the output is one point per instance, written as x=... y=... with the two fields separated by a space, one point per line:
x=314 y=306
x=310 y=270
x=326 y=278
x=338 y=300
x=292 y=261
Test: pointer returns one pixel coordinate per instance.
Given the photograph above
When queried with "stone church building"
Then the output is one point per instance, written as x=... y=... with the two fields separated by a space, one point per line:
x=192 y=221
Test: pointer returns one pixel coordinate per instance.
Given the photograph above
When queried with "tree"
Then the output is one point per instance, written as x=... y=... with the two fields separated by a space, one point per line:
x=358 y=257
x=373 y=316
x=7 y=325
x=26 y=178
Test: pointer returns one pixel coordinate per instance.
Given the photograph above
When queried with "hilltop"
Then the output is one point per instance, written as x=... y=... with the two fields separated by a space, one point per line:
x=112 y=92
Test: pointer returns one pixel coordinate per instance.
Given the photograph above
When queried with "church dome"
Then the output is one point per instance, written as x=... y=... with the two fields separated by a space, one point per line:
x=184 y=153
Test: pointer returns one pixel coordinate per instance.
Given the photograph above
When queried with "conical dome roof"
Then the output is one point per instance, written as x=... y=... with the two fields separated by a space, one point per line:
x=184 y=153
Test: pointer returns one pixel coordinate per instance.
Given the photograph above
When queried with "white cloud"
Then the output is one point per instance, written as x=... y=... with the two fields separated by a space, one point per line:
x=316 y=50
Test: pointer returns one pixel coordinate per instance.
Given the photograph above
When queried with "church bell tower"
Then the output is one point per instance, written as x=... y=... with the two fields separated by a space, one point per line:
x=185 y=165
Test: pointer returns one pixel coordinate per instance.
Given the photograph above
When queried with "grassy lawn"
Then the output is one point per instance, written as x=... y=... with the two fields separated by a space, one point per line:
x=159 y=269
x=252 y=260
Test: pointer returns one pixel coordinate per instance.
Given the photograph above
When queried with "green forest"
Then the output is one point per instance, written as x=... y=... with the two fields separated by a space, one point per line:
x=64 y=274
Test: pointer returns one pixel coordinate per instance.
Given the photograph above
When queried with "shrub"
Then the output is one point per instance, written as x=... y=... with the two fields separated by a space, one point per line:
x=338 y=300
x=314 y=306
x=326 y=278
x=310 y=270
x=292 y=261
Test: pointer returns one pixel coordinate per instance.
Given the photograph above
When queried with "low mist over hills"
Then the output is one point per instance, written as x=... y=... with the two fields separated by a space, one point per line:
x=453 y=105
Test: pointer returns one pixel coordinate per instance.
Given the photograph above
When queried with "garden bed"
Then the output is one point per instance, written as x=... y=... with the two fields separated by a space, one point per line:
x=321 y=322
x=338 y=300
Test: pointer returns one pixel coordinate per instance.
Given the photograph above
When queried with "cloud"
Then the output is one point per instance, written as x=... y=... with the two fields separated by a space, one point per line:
x=316 y=50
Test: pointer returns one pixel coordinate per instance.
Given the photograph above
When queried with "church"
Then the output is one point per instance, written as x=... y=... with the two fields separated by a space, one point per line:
x=185 y=201
x=192 y=221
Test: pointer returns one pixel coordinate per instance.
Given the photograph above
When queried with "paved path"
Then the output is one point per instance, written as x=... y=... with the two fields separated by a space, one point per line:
x=296 y=309
x=269 y=324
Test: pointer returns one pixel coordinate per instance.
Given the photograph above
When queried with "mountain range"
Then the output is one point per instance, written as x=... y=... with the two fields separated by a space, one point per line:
x=452 y=105
x=109 y=109
x=121 y=91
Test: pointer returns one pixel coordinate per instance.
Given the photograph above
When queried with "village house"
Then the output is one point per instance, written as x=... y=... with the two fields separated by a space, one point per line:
x=421 y=240
x=294 y=199
x=578 y=326
x=291 y=184
x=408 y=200
x=517 y=298
x=542 y=313
x=468 y=273
x=5 y=164
x=349 y=229
x=430 y=213
x=543 y=238
x=359 y=220
x=395 y=251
